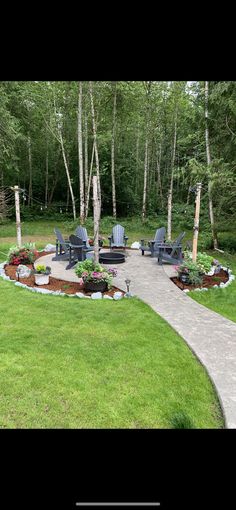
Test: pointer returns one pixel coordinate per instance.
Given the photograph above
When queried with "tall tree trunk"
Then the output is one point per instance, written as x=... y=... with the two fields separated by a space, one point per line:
x=89 y=184
x=96 y=219
x=113 y=154
x=208 y=157
x=145 y=179
x=137 y=162
x=55 y=181
x=68 y=174
x=46 y=178
x=55 y=177
x=95 y=142
x=148 y=91
x=170 y=192
x=189 y=189
x=30 y=193
x=159 y=184
x=67 y=197
x=85 y=155
x=80 y=150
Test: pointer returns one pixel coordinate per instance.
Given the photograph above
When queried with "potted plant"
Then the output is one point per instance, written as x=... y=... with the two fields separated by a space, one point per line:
x=94 y=276
x=41 y=274
x=190 y=272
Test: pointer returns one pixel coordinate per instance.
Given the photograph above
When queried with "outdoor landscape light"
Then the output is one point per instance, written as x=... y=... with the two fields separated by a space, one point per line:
x=127 y=281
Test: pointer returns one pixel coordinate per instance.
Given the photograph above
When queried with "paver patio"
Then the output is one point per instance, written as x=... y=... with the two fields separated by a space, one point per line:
x=210 y=336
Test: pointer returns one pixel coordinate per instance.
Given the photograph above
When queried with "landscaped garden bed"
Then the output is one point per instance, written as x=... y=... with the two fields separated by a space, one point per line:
x=203 y=274
x=55 y=285
x=207 y=281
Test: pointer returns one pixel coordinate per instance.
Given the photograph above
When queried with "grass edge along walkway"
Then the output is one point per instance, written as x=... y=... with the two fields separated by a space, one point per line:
x=70 y=363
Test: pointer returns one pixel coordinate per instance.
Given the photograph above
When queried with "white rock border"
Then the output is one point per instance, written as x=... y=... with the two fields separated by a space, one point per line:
x=116 y=297
x=221 y=286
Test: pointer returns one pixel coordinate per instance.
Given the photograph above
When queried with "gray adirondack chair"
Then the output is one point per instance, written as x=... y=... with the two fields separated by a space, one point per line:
x=118 y=238
x=175 y=256
x=62 y=247
x=77 y=250
x=154 y=245
x=81 y=232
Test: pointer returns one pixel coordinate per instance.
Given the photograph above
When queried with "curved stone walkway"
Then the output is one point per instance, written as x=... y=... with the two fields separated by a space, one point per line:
x=210 y=336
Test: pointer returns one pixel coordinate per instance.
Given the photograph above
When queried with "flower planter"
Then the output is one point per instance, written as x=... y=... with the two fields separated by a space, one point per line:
x=41 y=279
x=183 y=277
x=95 y=287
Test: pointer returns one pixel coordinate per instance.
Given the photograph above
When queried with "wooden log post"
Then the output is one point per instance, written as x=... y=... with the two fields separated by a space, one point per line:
x=196 y=221
x=96 y=217
x=16 y=190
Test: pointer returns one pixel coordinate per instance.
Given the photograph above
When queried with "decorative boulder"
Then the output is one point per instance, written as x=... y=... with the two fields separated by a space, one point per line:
x=79 y=294
x=136 y=244
x=23 y=271
x=96 y=295
x=117 y=295
x=50 y=248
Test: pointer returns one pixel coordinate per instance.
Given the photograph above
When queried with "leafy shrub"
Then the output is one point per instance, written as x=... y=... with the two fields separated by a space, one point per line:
x=204 y=262
x=193 y=271
x=23 y=255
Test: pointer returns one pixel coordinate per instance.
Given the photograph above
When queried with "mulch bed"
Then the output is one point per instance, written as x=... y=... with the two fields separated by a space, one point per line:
x=208 y=281
x=54 y=283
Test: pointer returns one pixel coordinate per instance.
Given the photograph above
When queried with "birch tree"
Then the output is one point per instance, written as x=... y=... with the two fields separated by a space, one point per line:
x=208 y=157
x=113 y=152
x=85 y=156
x=170 y=192
x=30 y=192
x=95 y=141
x=80 y=151
x=148 y=91
x=46 y=176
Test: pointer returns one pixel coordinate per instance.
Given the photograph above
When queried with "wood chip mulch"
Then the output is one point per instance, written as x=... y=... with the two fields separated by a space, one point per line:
x=208 y=281
x=54 y=283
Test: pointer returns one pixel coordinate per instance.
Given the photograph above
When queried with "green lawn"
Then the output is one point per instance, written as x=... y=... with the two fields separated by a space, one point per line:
x=222 y=301
x=70 y=363
x=135 y=229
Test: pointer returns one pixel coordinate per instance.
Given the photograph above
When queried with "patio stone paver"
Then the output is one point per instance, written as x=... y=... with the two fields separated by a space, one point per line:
x=211 y=336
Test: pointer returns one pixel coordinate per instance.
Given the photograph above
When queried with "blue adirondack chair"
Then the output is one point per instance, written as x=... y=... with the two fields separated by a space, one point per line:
x=175 y=256
x=118 y=239
x=154 y=245
x=62 y=246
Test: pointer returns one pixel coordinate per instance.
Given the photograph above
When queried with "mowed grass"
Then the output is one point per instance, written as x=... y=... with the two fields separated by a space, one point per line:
x=70 y=363
x=41 y=230
x=222 y=301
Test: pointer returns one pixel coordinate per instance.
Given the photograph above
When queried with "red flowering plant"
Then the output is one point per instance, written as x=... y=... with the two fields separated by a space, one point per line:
x=24 y=255
x=100 y=241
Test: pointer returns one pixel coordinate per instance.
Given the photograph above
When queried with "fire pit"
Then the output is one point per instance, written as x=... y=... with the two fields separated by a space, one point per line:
x=112 y=258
